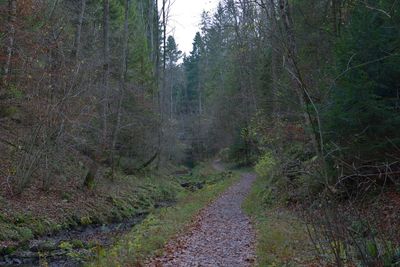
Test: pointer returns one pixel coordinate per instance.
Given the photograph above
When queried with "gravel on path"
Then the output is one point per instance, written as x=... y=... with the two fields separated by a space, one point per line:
x=221 y=234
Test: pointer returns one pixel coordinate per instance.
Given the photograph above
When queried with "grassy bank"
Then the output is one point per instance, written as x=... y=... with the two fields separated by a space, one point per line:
x=148 y=238
x=37 y=213
x=48 y=213
x=99 y=206
x=282 y=239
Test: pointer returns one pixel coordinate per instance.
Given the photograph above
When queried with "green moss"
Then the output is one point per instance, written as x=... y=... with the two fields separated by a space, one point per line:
x=14 y=92
x=25 y=233
x=64 y=245
x=116 y=215
x=98 y=218
x=91 y=244
x=8 y=232
x=2 y=218
x=8 y=111
x=22 y=227
x=77 y=244
x=42 y=226
x=123 y=207
x=47 y=246
x=85 y=220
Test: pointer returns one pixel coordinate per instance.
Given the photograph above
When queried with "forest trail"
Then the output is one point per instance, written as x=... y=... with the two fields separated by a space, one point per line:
x=220 y=235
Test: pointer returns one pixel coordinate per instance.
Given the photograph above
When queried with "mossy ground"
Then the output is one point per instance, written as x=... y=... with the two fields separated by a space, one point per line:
x=139 y=196
x=37 y=213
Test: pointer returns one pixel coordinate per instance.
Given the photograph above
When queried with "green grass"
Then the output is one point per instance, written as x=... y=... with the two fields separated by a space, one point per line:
x=148 y=238
x=282 y=239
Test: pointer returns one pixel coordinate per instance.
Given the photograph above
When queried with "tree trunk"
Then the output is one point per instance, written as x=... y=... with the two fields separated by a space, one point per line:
x=274 y=58
x=153 y=30
x=171 y=96
x=301 y=88
x=77 y=44
x=164 y=66
x=122 y=83
x=200 y=102
x=106 y=69
x=162 y=89
x=12 y=16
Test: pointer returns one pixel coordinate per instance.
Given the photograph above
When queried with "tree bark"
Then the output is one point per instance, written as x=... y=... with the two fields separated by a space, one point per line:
x=12 y=16
x=274 y=58
x=171 y=94
x=153 y=33
x=106 y=68
x=77 y=44
x=122 y=82
x=301 y=89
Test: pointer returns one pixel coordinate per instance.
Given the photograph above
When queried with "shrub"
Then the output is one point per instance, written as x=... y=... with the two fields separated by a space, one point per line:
x=244 y=150
x=266 y=165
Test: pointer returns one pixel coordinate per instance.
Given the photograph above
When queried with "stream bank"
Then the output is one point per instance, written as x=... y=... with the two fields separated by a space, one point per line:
x=89 y=234
x=72 y=247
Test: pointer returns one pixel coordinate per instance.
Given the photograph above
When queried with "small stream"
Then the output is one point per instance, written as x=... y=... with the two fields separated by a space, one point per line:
x=70 y=248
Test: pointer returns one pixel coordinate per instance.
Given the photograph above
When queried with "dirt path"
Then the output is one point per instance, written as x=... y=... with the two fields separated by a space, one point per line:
x=221 y=234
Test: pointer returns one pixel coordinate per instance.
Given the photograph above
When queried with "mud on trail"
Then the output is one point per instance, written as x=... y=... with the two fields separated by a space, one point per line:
x=221 y=234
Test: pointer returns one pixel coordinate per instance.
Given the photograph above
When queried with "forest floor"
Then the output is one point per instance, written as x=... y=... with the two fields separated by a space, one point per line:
x=220 y=235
